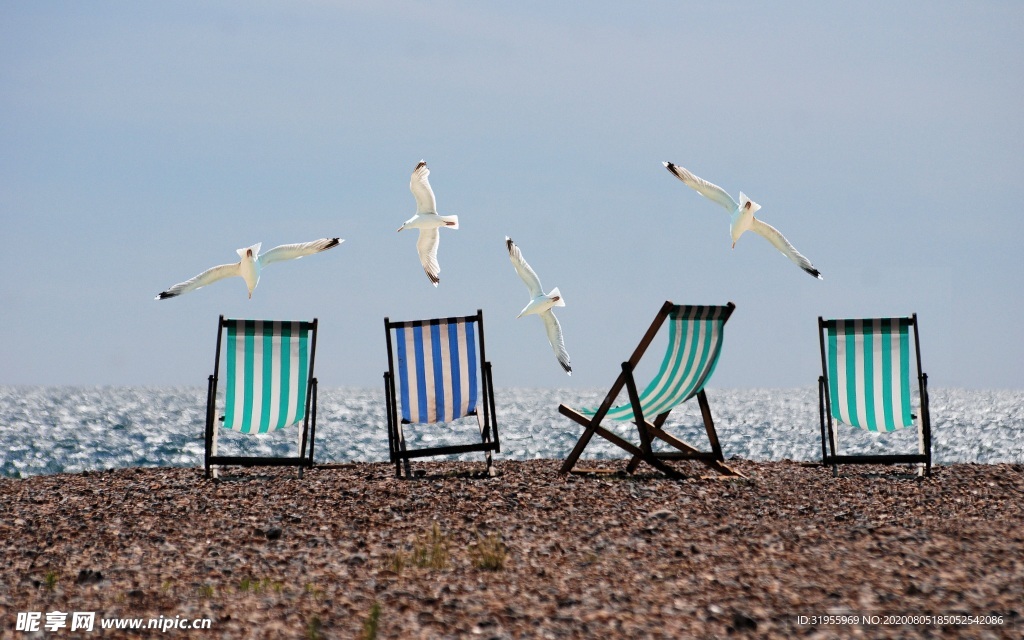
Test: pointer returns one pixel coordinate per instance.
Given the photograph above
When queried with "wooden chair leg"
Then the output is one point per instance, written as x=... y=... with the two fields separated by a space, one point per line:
x=584 y=440
x=400 y=459
x=485 y=438
x=709 y=425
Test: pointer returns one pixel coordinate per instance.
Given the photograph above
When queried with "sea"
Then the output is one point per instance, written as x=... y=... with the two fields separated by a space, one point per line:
x=50 y=430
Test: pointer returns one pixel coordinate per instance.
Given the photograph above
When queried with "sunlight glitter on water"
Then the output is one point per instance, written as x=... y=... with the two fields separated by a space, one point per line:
x=45 y=430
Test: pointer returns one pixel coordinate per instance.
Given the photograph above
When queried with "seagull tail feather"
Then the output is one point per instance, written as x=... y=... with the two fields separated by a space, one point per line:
x=555 y=293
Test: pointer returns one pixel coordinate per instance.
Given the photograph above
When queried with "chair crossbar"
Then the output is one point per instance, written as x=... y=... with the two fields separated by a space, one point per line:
x=258 y=461
x=895 y=458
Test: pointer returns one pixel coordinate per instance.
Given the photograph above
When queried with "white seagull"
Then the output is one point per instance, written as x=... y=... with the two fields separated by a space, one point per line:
x=427 y=221
x=250 y=265
x=743 y=217
x=541 y=304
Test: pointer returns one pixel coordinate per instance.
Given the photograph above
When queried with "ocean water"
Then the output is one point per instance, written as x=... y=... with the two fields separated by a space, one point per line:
x=46 y=430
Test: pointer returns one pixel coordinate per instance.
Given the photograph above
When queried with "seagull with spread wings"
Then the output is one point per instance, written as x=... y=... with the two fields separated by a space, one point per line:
x=250 y=264
x=743 y=219
x=427 y=221
x=541 y=304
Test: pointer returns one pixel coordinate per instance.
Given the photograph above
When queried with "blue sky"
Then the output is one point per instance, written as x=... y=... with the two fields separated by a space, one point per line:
x=141 y=143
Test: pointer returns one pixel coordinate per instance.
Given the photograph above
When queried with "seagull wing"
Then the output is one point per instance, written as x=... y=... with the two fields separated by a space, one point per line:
x=420 y=187
x=772 y=235
x=426 y=246
x=209 y=276
x=523 y=269
x=703 y=187
x=293 y=251
x=555 y=338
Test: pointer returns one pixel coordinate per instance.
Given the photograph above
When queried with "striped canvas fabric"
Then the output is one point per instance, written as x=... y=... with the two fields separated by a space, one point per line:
x=869 y=372
x=267 y=374
x=694 y=344
x=437 y=369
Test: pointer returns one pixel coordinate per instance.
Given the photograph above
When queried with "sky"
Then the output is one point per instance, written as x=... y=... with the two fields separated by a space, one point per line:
x=141 y=143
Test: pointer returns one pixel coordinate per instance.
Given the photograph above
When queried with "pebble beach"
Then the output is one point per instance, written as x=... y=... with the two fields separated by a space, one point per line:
x=351 y=551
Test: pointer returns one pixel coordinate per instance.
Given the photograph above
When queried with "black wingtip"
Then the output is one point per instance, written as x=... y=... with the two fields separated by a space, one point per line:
x=508 y=243
x=333 y=243
x=814 y=272
x=421 y=163
x=165 y=294
x=567 y=368
x=671 y=168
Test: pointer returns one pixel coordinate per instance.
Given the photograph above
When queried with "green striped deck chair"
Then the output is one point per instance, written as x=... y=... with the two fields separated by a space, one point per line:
x=268 y=386
x=438 y=374
x=865 y=383
x=694 y=343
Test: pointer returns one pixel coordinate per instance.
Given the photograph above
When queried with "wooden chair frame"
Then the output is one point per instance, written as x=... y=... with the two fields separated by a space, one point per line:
x=648 y=430
x=487 y=422
x=307 y=436
x=829 y=454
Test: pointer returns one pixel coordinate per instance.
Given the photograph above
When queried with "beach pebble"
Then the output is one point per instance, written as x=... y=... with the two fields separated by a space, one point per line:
x=581 y=556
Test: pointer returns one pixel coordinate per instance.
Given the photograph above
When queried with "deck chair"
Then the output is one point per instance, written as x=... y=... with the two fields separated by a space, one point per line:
x=269 y=385
x=865 y=383
x=438 y=373
x=694 y=344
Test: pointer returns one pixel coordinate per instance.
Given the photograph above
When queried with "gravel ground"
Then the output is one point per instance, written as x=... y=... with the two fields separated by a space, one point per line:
x=351 y=550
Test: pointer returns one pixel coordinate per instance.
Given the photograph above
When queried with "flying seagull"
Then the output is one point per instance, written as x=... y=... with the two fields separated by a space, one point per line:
x=250 y=265
x=743 y=217
x=427 y=221
x=541 y=304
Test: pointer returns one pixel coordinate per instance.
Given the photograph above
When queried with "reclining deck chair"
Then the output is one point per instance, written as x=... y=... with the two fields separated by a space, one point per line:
x=441 y=366
x=694 y=344
x=269 y=385
x=865 y=383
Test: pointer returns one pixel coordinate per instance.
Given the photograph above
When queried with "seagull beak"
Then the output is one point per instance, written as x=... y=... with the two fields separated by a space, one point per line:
x=734 y=245
x=400 y=228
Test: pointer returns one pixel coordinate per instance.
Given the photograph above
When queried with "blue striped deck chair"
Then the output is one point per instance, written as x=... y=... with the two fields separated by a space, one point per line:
x=865 y=383
x=694 y=344
x=268 y=386
x=438 y=374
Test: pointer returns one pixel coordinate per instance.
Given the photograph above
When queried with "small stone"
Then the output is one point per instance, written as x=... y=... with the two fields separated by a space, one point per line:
x=743 y=622
x=88 y=576
x=357 y=558
x=664 y=514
